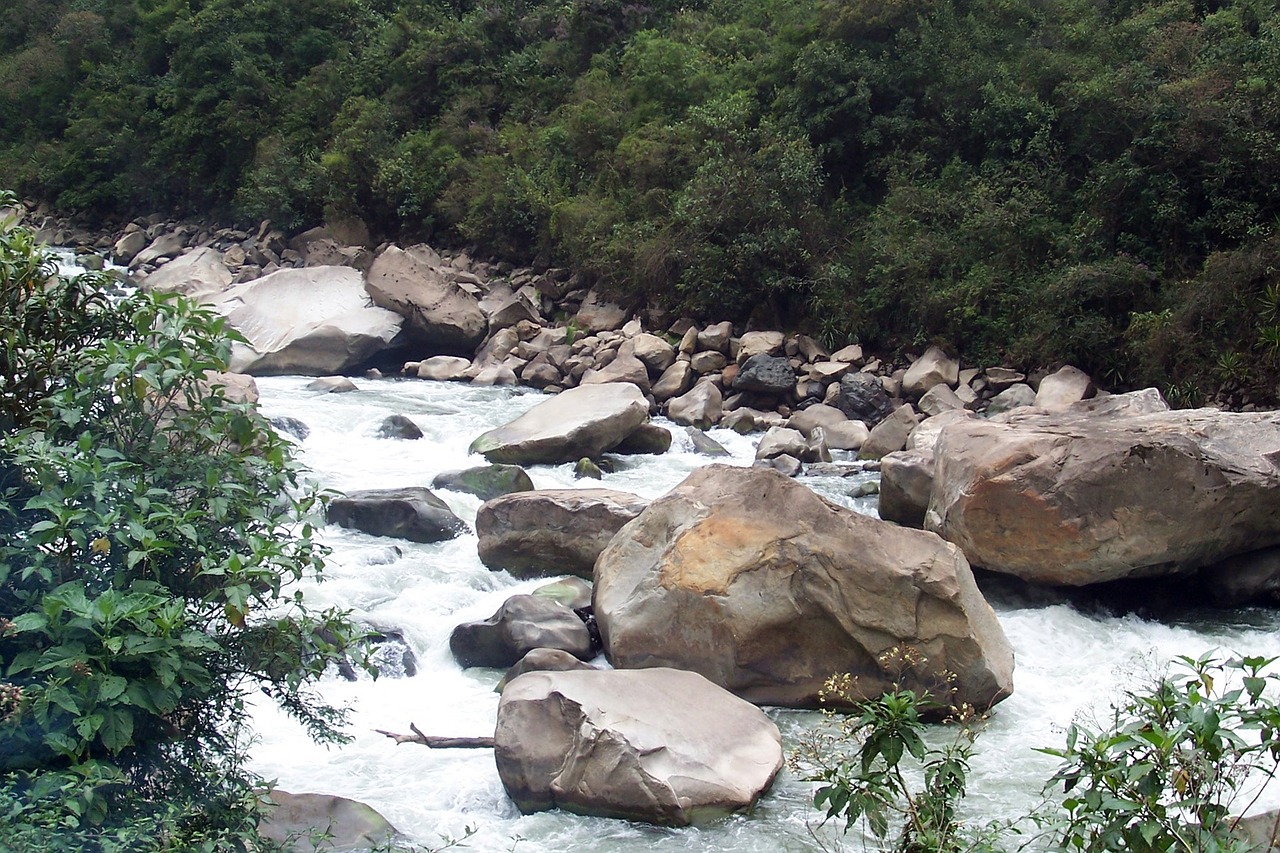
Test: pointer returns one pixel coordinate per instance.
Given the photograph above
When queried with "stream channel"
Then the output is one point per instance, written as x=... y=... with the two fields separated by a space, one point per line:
x=1068 y=661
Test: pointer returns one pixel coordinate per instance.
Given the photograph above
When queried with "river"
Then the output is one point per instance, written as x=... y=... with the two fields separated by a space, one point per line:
x=1067 y=661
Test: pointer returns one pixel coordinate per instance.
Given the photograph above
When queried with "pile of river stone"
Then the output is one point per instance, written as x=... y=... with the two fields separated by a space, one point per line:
x=740 y=583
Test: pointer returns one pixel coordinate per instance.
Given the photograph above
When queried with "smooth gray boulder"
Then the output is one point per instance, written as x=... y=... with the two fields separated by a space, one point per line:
x=1085 y=496
x=598 y=314
x=1065 y=386
x=310 y=823
x=657 y=354
x=705 y=444
x=1015 y=396
x=935 y=367
x=656 y=745
x=674 y=381
x=199 y=274
x=625 y=368
x=316 y=321
x=767 y=589
x=438 y=314
x=485 y=481
x=890 y=434
x=332 y=385
x=541 y=660
x=582 y=421
x=412 y=513
x=647 y=438
x=551 y=532
x=523 y=623
x=700 y=406
x=779 y=441
x=906 y=482
x=444 y=368
x=816 y=416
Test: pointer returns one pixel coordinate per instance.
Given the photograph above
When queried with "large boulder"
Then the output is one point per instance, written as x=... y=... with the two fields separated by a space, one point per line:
x=768 y=589
x=699 y=407
x=1097 y=493
x=1064 y=387
x=552 y=531
x=412 y=513
x=935 y=367
x=906 y=483
x=582 y=421
x=199 y=274
x=438 y=314
x=523 y=623
x=324 y=822
x=315 y=321
x=658 y=745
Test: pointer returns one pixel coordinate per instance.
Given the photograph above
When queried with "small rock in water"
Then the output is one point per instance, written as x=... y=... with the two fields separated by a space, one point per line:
x=291 y=426
x=332 y=385
x=586 y=469
x=705 y=444
x=865 y=490
x=398 y=426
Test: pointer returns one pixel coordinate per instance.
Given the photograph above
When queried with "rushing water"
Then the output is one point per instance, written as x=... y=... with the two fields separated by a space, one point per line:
x=1066 y=660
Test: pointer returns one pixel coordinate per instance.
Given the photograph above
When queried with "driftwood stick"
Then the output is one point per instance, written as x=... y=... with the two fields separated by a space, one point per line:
x=436 y=742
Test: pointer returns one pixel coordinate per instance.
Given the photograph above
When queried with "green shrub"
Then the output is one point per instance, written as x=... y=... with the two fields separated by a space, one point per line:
x=150 y=527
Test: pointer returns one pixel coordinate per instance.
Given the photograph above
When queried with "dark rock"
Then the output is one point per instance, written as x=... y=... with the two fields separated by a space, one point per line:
x=523 y=623
x=648 y=438
x=398 y=426
x=765 y=374
x=412 y=513
x=863 y=398
x=292 y=426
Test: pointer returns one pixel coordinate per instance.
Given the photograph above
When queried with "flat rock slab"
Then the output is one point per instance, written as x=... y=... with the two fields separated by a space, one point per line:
x=582 y=421
x=551 y=532
x=768 y=589
x=657 y=745
x=1098 y=493
x=412 y=513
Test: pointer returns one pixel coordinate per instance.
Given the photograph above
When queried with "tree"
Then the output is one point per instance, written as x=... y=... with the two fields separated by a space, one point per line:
x=150 y=524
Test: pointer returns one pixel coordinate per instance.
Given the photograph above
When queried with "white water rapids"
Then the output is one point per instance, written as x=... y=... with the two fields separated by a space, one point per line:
x=1066 y=660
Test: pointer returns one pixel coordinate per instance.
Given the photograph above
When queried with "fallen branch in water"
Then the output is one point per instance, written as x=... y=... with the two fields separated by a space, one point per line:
x=435 y=742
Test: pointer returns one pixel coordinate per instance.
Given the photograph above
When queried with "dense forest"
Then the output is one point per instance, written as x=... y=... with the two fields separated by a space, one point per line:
x=1025 y=181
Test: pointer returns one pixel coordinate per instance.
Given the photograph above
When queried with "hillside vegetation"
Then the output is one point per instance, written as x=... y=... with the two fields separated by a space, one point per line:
x=1026 y=181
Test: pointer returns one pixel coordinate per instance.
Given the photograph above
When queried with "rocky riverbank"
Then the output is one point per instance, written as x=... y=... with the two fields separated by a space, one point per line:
x=326 y=301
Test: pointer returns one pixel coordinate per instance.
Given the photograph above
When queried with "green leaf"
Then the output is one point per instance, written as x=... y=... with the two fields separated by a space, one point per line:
x=117 y=728
x=111 y=687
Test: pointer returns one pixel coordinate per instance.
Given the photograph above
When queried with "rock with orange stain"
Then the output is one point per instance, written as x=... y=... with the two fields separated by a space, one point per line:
x=767 y=589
